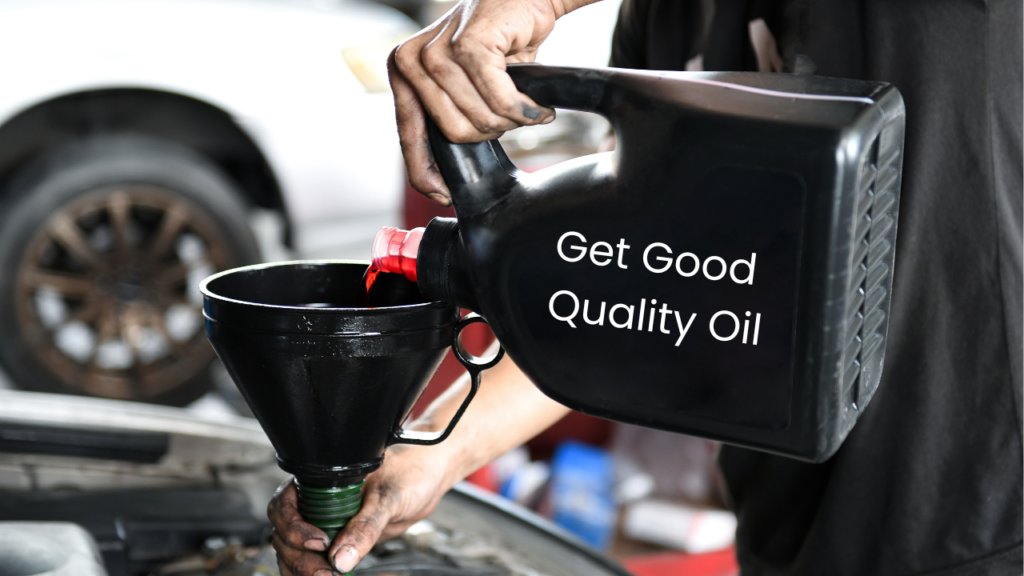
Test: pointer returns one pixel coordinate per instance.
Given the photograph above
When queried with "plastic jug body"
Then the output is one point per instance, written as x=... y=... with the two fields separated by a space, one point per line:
x=724 y=273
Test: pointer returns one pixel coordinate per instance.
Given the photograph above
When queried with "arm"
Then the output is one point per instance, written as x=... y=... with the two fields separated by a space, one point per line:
x=507 y=411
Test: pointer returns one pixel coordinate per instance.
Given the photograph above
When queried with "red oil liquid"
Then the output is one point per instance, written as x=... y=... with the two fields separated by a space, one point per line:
x=393 y=251
x=366 y=290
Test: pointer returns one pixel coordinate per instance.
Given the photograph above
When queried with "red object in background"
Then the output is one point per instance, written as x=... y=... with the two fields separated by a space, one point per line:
x=486 y=478
x=721 y=563
x=419 y=211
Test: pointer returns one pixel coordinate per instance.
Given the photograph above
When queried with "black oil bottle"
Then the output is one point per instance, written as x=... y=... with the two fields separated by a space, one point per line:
x=726 y=272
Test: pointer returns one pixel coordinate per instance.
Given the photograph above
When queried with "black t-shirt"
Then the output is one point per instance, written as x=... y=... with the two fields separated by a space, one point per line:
x=930 y=480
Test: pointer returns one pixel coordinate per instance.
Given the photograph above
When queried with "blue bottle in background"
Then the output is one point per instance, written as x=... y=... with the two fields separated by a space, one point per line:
x=581 y=493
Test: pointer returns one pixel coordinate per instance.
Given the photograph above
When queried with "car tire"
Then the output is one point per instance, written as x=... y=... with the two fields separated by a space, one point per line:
x=102 y=245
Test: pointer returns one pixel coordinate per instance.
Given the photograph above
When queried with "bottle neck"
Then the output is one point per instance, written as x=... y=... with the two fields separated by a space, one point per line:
x=434 y=257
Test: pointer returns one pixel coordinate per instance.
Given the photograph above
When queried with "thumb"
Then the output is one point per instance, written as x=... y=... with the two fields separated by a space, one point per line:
x=361 y=532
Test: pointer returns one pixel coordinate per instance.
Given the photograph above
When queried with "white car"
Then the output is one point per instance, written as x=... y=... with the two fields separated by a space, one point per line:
x=141 y=140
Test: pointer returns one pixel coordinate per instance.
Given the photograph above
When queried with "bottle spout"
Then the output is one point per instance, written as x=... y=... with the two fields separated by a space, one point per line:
x=438 y=254
x=395 y=251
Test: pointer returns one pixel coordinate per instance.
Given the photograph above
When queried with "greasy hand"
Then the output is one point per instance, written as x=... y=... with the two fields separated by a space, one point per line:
x=455 y=70
x=405 y=489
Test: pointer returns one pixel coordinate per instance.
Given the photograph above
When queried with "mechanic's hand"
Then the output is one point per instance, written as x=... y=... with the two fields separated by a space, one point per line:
x=455 y=69
x=295 y=541
x=405 y=489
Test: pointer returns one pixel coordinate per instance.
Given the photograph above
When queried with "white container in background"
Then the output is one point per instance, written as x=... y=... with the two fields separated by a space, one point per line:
x=692 y=530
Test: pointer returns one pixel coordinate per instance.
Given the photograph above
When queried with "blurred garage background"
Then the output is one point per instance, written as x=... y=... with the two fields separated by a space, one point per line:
x=146 y=145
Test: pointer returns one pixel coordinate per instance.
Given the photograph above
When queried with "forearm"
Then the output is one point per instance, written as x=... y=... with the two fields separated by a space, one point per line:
x=507 y=411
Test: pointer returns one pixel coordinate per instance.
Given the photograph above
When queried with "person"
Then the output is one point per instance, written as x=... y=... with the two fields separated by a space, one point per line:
x=930 y=479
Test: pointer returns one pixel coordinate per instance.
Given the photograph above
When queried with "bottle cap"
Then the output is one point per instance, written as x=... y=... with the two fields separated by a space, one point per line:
x=395 y=251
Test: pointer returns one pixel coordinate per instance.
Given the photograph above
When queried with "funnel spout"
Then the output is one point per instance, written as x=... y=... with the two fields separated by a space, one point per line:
x=329 y=509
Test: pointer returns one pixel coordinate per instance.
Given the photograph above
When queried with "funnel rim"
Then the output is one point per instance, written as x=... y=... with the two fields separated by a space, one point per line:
x=209 y=294
x=334 y=334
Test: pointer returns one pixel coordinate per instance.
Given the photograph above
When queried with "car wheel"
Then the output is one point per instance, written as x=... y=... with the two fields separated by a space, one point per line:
x=102 y=248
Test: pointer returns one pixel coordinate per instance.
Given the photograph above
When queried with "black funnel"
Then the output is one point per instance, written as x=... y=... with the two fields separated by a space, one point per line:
x=329 y=382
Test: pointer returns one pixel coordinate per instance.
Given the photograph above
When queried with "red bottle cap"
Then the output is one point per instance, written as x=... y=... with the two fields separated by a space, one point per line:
x=395 y=251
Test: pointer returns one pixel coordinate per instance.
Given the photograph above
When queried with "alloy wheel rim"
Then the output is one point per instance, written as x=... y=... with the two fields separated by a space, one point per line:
x=107 y=291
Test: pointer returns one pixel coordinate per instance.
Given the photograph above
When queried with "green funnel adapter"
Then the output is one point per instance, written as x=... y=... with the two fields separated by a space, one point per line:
x=329 y=509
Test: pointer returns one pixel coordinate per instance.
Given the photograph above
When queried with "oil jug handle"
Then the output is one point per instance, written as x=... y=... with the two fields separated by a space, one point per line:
x=480 y=174
x=562 y=87
x=474 y=365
